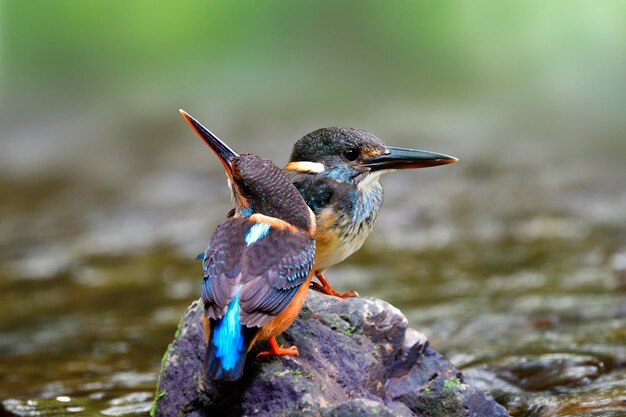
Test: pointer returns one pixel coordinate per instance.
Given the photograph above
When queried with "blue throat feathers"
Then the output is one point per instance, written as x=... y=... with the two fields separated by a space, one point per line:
x=228 y=338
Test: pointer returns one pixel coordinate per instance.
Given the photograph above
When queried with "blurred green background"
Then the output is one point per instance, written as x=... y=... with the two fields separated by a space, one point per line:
x=513 y=261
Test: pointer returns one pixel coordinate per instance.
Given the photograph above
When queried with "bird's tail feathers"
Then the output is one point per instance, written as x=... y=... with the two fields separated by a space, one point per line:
x=228 y=346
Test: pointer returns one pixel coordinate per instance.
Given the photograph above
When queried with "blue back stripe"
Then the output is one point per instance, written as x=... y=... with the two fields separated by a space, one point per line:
x=256 y=232
x=228 y=337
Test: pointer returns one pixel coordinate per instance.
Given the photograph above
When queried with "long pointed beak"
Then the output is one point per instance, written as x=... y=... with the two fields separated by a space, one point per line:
x=222 y=150
x=403 y=158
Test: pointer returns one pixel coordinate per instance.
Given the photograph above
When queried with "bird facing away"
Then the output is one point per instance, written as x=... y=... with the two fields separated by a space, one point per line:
x=337 y=171
x=258 y=264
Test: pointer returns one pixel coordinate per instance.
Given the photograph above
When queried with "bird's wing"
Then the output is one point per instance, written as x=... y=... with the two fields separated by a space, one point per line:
x=273 y=270
x=221 y=265
x=266 y=267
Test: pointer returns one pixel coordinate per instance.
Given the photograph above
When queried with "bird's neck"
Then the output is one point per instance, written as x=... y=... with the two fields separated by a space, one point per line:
x=246 y=211
x=279 y=200
x=303 y=222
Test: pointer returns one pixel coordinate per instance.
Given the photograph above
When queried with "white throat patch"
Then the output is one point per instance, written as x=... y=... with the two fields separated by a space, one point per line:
x=365 y=183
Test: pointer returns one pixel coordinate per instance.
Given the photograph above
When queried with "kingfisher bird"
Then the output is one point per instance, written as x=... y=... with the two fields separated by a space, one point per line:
x=337 y=171
x=258 y=264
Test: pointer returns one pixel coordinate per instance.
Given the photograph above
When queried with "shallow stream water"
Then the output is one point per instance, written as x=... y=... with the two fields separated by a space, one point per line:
x=513 y=263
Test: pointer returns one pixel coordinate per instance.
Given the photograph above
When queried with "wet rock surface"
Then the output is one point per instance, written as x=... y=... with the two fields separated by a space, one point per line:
x=357 y=358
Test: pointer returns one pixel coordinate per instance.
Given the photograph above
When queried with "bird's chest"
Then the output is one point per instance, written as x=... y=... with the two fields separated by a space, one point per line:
x=357 y=221
x=344 y=226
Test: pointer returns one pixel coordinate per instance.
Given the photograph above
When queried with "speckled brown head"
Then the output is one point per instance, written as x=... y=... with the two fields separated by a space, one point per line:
x=258 y=186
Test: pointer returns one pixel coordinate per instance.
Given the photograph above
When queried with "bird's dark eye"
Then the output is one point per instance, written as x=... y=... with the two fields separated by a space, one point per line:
x=351 y=154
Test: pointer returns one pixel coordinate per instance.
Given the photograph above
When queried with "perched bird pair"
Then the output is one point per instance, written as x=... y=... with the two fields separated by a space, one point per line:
x=286 y=227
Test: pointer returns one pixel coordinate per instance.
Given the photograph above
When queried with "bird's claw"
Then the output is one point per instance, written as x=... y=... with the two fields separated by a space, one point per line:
x=279 y=351
x=347 y=294
x=326 y=288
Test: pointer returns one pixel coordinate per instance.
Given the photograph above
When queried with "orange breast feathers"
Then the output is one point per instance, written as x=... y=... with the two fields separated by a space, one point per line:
x=327 y=241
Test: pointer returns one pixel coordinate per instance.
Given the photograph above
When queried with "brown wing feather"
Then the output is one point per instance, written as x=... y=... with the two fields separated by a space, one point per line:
x=273 y=270
x=222 y=272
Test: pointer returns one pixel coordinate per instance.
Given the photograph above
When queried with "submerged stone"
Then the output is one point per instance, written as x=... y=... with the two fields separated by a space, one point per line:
x=357 y=358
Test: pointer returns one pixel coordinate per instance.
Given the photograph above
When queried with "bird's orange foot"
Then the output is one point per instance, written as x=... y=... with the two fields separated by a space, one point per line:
x=277 y=350
x=326 y=288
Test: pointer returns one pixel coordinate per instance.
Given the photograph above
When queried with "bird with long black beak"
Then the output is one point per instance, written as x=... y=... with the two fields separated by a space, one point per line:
x=258 y=264
x=337 y=171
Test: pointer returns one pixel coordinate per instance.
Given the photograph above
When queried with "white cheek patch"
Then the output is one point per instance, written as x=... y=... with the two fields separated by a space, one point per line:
x=306 y=166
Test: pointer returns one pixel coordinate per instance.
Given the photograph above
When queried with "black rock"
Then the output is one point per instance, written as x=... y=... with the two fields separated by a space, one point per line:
x=357 y=358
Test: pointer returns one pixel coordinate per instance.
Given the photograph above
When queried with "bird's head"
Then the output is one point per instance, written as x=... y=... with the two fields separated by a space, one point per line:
x=256 y=184
x=354 y=155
